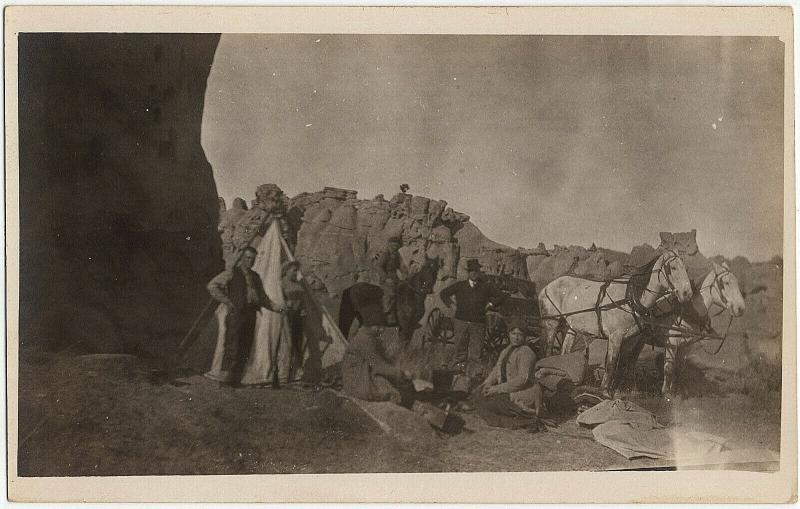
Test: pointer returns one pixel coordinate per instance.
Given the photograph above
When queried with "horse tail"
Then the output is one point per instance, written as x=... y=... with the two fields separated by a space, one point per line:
x=347 y=312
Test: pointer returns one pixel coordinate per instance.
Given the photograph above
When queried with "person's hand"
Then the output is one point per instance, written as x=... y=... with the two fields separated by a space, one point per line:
x=489 y=390
x=229 y=306
x=407 y=374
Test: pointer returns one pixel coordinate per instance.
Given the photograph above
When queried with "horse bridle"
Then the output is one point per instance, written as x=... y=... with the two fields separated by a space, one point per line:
x=718 y=285
x=667 y=270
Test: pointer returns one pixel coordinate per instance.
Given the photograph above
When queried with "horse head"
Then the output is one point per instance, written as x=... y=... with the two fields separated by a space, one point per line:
x=725 y=291
x=669 y=273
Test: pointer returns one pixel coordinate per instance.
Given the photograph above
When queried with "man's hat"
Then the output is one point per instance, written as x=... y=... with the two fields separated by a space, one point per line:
x=473 y=264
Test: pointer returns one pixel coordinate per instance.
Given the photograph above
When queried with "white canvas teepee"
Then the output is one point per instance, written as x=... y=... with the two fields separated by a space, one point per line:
x=271 y=343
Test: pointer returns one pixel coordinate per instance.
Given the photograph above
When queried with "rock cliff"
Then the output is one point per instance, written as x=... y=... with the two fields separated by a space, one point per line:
x=119 y=205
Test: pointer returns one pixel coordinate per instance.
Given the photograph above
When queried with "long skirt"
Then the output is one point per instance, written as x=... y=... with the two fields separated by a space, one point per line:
x=499 y=411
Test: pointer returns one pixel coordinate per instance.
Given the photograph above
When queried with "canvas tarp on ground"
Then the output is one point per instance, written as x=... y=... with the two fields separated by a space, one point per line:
x=324 y=343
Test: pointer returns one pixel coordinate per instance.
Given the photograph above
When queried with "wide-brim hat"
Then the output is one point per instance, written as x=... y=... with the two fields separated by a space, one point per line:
x=473 y=264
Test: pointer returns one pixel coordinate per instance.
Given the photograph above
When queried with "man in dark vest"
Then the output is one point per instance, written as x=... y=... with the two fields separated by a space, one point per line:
x=392 y=270
x=473 y=296
x=241 y=291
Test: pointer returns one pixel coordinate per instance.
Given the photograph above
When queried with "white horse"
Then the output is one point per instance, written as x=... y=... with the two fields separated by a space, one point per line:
x=720 y=289
x=616 y=309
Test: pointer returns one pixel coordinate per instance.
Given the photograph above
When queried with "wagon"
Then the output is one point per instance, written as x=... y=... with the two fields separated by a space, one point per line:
x=520 y=303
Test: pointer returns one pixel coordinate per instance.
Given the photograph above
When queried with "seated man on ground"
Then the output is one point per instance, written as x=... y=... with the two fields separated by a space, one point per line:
x=510 y=397
x=367 y=371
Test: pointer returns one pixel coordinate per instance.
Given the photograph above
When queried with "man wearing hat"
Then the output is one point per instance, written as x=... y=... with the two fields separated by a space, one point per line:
x=392 y=269
x=473 y=297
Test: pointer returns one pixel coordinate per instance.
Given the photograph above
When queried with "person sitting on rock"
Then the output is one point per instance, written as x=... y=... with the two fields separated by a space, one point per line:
x=511 y=397
x=367 y=371
x=392 y=269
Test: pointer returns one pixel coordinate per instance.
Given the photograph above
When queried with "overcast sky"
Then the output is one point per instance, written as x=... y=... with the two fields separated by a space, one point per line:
x=567 y=140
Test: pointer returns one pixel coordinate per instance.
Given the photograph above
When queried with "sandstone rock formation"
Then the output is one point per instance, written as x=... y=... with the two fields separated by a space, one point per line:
x=118 y=203
x=339 y=237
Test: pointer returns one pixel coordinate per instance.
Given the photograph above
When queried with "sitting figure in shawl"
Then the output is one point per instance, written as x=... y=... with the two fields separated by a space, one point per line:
x=367 y=371
x=510 y=397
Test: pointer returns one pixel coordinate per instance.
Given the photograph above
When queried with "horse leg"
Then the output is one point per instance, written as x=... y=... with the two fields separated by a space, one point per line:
x=630 y=362
x=550 y=329
x=609 y=382
x=569 y=341
x=671 y=344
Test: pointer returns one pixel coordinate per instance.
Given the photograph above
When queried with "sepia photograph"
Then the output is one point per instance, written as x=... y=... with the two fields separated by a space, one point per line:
x=256 y=252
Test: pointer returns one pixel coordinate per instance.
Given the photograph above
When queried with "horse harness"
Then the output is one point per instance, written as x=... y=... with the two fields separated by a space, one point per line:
x=644 y=317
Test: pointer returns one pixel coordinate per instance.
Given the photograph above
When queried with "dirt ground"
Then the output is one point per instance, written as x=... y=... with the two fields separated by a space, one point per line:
x=106 y=415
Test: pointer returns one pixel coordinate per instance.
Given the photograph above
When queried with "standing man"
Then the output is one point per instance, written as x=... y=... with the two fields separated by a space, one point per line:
x=242 y=292
x=473 y=298
x=392 y=269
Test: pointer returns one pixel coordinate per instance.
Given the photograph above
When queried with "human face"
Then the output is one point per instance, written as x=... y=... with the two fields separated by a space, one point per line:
x=248 y=259
x=291 y=272
x=474 y=275
x=516 y=336
x=394 y=247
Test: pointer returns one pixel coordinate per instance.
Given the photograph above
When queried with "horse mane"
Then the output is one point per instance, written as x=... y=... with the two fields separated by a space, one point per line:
x=641 y=277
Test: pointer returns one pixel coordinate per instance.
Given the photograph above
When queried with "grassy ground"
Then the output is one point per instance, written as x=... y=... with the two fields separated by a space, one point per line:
x=104 y=415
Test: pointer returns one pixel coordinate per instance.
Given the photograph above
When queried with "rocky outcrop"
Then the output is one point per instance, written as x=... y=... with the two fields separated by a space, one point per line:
x=339 y=237
x=119 y=206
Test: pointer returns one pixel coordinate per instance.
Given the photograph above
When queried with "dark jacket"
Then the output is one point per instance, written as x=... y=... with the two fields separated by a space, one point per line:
x=471 y=302
x=231 y=285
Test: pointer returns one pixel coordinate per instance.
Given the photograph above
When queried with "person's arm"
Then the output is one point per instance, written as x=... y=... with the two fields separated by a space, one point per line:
x=262 y=294
x=379 y=365
x=494 y=375
x=218 y=287
x=446 y=295
x=403 y=268
x=496 y=297
x=524 y=362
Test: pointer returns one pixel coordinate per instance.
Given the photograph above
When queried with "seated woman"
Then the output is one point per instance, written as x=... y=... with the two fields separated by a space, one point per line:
x=367 y=372
x=510 y=397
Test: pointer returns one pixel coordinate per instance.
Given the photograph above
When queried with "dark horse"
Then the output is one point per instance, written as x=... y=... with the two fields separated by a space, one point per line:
x=411 y=295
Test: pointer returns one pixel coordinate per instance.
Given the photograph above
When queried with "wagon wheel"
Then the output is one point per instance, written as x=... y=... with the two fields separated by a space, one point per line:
x=438 y=330
x=496 y=337
x=493 y=345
